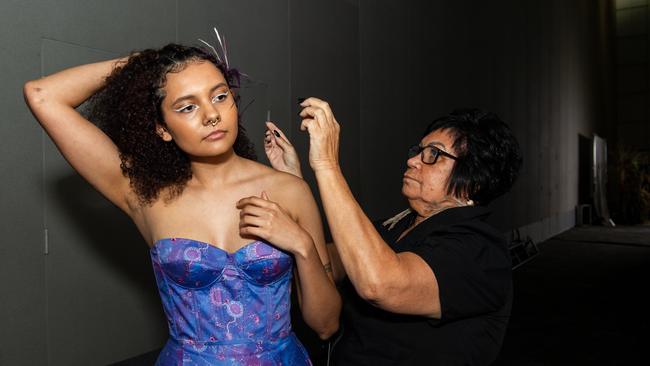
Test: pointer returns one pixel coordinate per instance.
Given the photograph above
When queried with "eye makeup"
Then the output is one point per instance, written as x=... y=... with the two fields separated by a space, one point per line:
x=218 y=97
x=184 y=109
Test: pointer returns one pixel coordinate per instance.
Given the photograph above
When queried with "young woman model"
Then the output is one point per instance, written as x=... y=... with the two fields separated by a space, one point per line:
x=171 y=154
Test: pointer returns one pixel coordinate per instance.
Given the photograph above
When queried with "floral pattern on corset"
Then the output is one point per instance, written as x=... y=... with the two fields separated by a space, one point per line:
x=226 y=308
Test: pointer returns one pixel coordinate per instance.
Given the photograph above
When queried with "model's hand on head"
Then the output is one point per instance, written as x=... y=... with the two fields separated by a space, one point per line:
x=280 y=152
x=265 y=219
x=319 y=121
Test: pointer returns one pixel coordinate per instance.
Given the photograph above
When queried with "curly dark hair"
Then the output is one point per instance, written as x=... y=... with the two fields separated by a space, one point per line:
x=489 y=156
x=128 y=107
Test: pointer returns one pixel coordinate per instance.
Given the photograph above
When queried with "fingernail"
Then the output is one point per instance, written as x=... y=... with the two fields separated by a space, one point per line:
x=300 y=100
x=276 y=133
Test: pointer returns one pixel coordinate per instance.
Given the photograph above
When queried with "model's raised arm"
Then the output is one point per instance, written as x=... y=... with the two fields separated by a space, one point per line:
x=53 y=99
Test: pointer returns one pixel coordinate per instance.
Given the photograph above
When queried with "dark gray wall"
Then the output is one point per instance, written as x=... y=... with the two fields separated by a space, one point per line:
x=633 y=69
x=22 y=304
x=325 y=63
x=632 y=129
x=387 y=69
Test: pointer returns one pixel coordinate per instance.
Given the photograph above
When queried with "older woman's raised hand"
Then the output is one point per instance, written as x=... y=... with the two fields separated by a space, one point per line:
x=280 y=152
x=319 y=121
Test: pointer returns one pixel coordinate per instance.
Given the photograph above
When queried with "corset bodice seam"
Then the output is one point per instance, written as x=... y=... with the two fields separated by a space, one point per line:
x=174 y=328
x=239 y=341
x=230 y=258
x=241 y=272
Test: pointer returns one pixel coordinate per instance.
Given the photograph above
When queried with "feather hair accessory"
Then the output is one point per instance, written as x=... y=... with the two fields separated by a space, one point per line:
x=223 y=56
x=220 y=53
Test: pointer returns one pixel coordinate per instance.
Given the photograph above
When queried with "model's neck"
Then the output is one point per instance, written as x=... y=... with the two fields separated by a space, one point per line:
x=215 y=170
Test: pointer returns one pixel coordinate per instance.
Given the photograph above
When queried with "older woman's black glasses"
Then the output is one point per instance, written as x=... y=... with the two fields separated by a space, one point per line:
x=428 y=154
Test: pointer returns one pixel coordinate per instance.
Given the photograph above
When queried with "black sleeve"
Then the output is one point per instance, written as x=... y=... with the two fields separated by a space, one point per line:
x=473 y=273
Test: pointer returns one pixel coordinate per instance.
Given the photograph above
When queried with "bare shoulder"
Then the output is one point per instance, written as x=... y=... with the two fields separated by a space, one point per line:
x=283 y=188
x=274 y=178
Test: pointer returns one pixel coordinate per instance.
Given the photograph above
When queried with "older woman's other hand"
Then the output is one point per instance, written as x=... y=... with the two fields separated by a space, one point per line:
x=267 y=220
x=319 y=121
x=280 y=152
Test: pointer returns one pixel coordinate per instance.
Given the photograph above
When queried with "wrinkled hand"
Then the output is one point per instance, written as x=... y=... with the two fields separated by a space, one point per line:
x=319 y=121
x=267 y=220
x=281 y=154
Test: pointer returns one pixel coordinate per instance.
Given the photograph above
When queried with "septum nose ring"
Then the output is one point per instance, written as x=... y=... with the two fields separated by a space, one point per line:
x=214 y=121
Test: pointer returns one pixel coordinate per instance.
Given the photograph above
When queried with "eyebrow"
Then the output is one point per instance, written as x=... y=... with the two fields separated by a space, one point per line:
x=190 y=96
x=436 y=144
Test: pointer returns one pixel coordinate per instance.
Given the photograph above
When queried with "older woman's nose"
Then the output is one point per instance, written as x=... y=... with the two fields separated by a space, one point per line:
x=414 y=162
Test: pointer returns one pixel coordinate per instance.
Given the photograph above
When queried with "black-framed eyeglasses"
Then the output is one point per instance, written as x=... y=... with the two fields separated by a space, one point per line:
x=429 y=154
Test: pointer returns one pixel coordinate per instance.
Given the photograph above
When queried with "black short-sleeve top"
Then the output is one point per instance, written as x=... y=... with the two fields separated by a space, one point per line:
x=472 y=266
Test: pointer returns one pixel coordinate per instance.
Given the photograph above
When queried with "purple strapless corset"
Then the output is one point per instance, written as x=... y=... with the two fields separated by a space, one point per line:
x=226 y=308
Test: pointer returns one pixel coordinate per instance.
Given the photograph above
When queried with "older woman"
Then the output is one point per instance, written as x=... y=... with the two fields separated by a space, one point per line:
x=432 y=285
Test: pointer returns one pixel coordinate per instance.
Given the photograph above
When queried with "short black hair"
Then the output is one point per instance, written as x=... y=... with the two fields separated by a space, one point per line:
x=489 y=157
